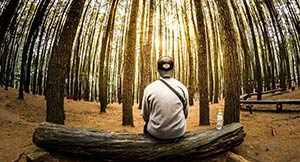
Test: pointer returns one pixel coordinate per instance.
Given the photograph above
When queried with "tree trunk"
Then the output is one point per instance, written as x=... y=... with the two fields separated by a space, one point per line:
x=11 y=54
x=257 y=74
x=142 y=58
x=104 y=48
x=112 y=146
x=129 y=62
x=121 y=54
x=76 y=60
x=215 y=53
x=6 y=17
x=281 y=42
x=190 y=77
x=59 y=62
x=267 y=42
x=231 y=65
x=30 y=42
x=146 y=77
x=202 y=65
x=32 y=34
x=210 y=71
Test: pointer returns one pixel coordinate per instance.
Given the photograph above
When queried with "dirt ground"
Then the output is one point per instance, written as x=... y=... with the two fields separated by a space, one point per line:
x=270 y=136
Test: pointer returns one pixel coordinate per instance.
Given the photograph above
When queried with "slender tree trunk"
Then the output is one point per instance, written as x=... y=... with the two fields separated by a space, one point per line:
x=59 y=62
x=202 y=65
x=9 y=61
x=77 y=94
x=296 y=23
x=104 y=49
x=191 y=68
x=36 y=59
x=210 y=71
x=148 y=48
x=10 y=51
x=231 y=65
x=32 y=39
x=160 y=27
x=129 y=65
x=214 y=54
x=6 y=17
x=45 y=54
x=23 y=62
x=281 y=43
x=94 y=86
x=27 y=49
x=121 y=54
x=257 y=74
x=142 y=56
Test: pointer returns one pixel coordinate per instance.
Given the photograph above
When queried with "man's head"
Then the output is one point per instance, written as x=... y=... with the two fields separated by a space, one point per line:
x=165 y=66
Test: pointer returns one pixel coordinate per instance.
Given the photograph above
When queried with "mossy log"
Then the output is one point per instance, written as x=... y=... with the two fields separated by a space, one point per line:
x=114 y=146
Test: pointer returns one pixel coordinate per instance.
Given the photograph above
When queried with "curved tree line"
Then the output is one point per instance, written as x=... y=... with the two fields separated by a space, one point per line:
x=106 y=51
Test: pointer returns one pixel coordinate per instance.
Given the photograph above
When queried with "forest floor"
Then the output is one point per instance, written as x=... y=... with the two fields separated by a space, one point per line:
x=18 y=119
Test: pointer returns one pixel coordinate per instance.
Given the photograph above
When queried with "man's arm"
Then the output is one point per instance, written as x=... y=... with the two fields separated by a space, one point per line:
x=186 y=111
x=145 y=107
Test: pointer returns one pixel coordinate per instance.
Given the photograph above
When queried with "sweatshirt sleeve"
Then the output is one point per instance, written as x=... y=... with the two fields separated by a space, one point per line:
x=145 y=107
x=186 y=112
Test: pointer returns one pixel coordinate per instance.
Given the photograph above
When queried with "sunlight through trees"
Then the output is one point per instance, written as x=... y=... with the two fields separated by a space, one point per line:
x=105 y=58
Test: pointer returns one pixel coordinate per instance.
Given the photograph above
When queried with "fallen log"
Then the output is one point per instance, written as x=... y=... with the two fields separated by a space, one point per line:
x=114 y=146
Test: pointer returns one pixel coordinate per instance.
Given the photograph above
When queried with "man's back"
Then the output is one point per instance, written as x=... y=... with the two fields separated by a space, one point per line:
x=163 y=110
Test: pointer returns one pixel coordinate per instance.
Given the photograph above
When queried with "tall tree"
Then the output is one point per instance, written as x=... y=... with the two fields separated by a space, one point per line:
x=143 y=82
x=215 y=54
x=281 y=42
x=76 y=59
x=267 y=43
x=49 y=40
x=130 y=52
x=6 y=17
x=202 y=65
x=257 y=73
x=104 y=47
x=37 y=56
x=190 y=56
x=59 y=62
x=230 y=63
x=28 y=47
x=245 y=48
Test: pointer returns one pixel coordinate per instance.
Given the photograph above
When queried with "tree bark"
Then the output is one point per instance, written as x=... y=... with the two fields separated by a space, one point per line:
x=58 y=64
x=112 y=146
x=231 y=65
x=142 y=58
x=103 y=54
x=146 y=77
x=215 y=54
x=6 y=17
x=129 y=62
x=32 y=35
x=281 y=43
x=202 y=65
x=257 y=73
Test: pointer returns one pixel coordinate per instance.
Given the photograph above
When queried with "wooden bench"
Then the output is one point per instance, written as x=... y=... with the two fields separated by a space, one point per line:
x=278 y=103
x=272 y=91
x=248 y=95
x=245 y=96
